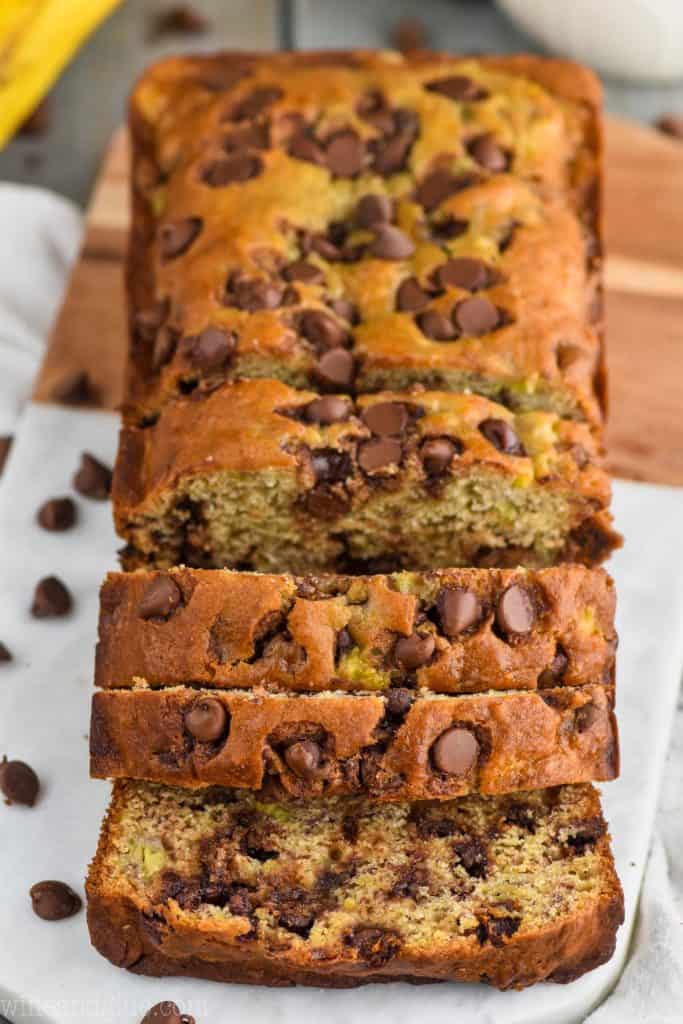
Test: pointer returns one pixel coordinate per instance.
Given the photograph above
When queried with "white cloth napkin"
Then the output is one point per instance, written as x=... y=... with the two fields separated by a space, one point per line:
x=38 y=242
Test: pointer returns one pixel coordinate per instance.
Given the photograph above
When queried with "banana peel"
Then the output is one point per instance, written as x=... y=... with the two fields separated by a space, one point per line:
x=37 y=40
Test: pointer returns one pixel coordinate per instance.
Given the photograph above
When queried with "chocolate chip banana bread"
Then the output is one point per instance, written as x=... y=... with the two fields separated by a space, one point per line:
x=256 y=475
x=225 y=885
x=406 y=745
x=363 y=221
x=446 y=631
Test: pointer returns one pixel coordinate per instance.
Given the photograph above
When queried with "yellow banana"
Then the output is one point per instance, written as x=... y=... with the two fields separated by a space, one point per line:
x=37 y=40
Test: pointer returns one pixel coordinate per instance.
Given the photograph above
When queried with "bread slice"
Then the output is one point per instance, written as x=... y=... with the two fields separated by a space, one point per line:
x=446 y=631
x=248 y=476
x=221 y=884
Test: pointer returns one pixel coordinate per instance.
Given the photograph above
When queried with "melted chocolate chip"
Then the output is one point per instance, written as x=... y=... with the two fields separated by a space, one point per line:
x=455 y=752
x=411 y=297
x=375 y=946
x=486 y=151
x=472 y=855
x=515 y=611
x=458 y=87
x=476 y=316
x=411 y=652
x=437 y=454
x=54 y=901
x=176 y=237
x=18 y=782
x=303 y=271
x=377 y=455
x=386 y=418
x=231 y=170
x=326 y=502
x=161 y=599
x=344 y=309
x=502 y=436
x=399 y=701
x=302 y=147
x=330 y=465
x=586 y=717
x=553 y=674
x=303 y=758
x=458 y=610
x=255 y=103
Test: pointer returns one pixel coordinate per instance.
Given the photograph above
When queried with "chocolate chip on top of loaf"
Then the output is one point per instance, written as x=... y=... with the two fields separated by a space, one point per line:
x=253 y=474
x=367 y=221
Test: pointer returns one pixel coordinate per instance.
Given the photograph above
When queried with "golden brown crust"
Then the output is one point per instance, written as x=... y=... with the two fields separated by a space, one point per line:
x=358 y=743
x=157 y=938
x=550 y=193
x=246 y=630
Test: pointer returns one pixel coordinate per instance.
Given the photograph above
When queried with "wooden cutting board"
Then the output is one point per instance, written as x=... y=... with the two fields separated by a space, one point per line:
x=644 y=273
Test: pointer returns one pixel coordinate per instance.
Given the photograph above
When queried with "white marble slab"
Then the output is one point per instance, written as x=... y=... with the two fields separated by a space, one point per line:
x=48 y=972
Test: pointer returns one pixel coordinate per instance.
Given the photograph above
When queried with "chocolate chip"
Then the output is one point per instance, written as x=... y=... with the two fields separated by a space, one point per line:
x=411 y=297
x=207 y=720
x=5 y=445
x=515 y=611
x=301 y=147
x=390 y=243
x=436 y=454
x=249 y=136
x=458 y=609
x=455 y=752
x=448 y=228
x=476 y=316
x=379 y=454
x=322 y=330
x=180 y=18
x=438 y=186
x=370 y=103
x=330 y=409
x=586 y=716
x=51 y=599
x=324 y=502
x=502 y=436
x=18 y=782
x=255 y=103
x=252 y=295
x=303 y=271
x=176 y=237
x=411 y=652
x=344 y=643
x=553 y=674
x=161 y=598
x=458 y=87
x=345 y=154
x=57 y=514
x=386 y=418
x=163 y=1013
x=486 y=151
x=391 y=154
x=72 y=388
x=399 y=701
x=471 y=854
x=330 y=465
x=5 y=654
x=409 y=34
x=372 y=210
x=436 y=326
x=211 y=350
x=303 y=758
x=164 y=346
x=335 y=370
x=470 y=274
x=344 y=309
x=671 y=124
x=375 y=946
x=238 y=168
x=54 y=901
x=92 y=478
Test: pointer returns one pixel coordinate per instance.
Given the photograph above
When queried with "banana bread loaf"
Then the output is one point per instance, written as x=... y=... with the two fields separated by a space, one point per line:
x=256 y=475
x=448 y=631
x=365 y=221
x=223 y=885
x=403 y=746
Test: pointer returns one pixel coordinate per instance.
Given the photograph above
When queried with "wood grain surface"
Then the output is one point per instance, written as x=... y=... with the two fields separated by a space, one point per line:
x=644 y=273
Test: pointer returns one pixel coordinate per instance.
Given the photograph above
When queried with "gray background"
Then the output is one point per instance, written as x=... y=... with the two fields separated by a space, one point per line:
x=88 y=102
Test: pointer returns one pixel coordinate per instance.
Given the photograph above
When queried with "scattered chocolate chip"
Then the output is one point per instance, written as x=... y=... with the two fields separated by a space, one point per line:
x=255 y=103
x=486 y=151
x=303 y=758
x=586 y=716
x=301 y=147
x=211 y=350
x=180 y=19
x=502 y=436
x=297 y=920
x=207 y=720
x=555 y=671
x=458 y=610
x=330 y=465
x=371 y=103
x=303 y=271
x=18 y=782
x=399 y=701
x=163 y=1013
x=164 y=346
x=345 y=154
x=5 y=445
x=410 y=296
x=409 y=34
x=437 y=453
x=476 y=316
x=51 y=599
x=438 y=186
x=238 y=168
x=390 y=243
x=344 y=309
x=463 y=272
x=57 y=514
x=671 y=124
x=458 y=87
x=515 y=611
x=386 y=418
x=54 y=901
x=176 y=237
x=436 y=326
x=448 y=228
x=372 y=210
x=252 y=294
x=411 y=652
x=586 y=836
x=471 y=854
x=375 y=946
x=326 y=410
x=379 y=454
x=391 y=150
x=92 y=478
x=325 y=502
x=455 y=752
x=322 y=330
x=5 y=654
x=161 y=598
x=335 y=370
x=72 y=388
x=247 y=136
x=344 y=642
